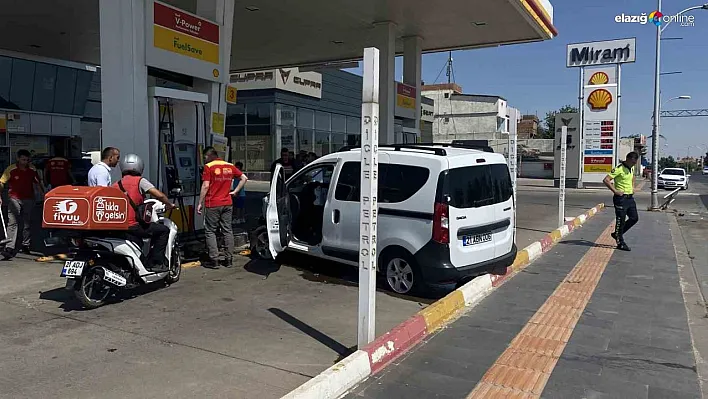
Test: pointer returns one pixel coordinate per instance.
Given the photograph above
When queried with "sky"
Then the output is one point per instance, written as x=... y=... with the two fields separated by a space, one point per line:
x=534 y=79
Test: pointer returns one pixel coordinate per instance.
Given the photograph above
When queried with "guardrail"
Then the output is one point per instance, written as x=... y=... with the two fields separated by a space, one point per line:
x=669 y=199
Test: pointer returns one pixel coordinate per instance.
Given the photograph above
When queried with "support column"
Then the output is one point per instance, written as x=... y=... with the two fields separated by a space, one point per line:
x=412 y=64
x=124 y=100
x=221 y=12
x=385 y=41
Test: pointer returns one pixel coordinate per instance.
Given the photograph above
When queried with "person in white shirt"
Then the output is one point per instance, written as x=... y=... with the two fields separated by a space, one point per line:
x=100 y=173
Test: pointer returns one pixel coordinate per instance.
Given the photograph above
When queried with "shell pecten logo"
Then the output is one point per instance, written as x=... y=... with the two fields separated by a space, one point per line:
x=599 y=78
x=600 y=99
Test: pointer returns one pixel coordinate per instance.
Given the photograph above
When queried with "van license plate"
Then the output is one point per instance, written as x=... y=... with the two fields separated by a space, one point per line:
x=476 y=239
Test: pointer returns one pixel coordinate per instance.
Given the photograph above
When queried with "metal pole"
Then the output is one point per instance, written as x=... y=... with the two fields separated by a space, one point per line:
x=512 y=145
x=563 y=167
x=581 y=138
x=617 y=117
x=368 y=201
x=655 y=123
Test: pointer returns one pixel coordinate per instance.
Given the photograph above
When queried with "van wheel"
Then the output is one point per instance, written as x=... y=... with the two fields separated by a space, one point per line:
x=401 y=272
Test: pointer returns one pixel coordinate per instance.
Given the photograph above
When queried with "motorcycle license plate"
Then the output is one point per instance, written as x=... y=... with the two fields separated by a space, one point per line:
x=73 y=268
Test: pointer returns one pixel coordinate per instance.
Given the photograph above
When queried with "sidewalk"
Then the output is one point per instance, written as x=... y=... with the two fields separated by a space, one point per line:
x=583 y=321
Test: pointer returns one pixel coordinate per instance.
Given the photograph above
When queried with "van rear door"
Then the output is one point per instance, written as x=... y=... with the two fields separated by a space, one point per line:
x=472 y=218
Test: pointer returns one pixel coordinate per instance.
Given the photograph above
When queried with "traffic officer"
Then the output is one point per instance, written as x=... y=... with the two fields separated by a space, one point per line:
x=621 y=182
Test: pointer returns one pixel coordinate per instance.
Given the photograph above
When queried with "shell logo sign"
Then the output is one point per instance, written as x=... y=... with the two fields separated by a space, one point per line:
x=599 y=78
x=599 y=99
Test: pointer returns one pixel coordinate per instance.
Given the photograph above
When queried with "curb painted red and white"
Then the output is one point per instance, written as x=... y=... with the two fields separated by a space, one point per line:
x=343 y=376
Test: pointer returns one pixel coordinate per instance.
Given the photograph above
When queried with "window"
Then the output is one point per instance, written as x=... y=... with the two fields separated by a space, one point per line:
x=65 y=90
x=397 y=183
x=339 y=123
x=321 y=174
x=22 y=84
x=235 y=114
x=400 y=182
x=501 y=181
x=477 y=186
x=447 y=120
x=447 y=95
x=83 y=84
x=45 y=77
x=258 y=114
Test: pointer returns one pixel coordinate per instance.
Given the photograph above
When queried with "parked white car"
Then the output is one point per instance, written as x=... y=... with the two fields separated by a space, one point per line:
x=445 y=214
x=672 y=178
x=705 y=170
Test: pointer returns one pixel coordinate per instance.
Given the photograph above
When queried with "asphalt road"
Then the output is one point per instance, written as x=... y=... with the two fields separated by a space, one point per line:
x=258 y=329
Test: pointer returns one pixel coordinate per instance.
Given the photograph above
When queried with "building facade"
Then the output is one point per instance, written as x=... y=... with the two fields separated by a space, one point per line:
x=459 y=116
x=528 y=127
x=316 y=112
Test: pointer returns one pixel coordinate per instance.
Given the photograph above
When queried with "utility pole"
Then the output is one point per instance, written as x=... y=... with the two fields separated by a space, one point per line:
x=655 y=123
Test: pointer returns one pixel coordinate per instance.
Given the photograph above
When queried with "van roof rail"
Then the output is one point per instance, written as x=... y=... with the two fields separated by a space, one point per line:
x=399 y=147
x=427 y=147
x=468 y=146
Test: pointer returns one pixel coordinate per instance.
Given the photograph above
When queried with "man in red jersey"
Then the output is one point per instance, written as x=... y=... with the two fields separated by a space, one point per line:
x=22 y=179
x=216 y=202
x=57 y=171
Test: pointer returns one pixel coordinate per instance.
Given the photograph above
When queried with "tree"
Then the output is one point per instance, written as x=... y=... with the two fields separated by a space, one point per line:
x=665 y=162
x=549 y=121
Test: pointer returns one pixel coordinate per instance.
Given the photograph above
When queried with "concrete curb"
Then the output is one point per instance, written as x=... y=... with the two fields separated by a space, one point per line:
x=338 y=379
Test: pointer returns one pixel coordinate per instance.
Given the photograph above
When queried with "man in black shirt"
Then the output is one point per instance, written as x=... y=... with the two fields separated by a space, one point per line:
x=289 y=165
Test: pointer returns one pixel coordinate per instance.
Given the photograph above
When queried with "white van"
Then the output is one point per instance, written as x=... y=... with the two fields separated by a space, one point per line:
x=445 y=213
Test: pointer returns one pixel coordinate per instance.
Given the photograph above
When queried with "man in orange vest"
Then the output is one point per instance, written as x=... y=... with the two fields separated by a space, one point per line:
x=135 y=187
x=215 y=196
x=57 y=171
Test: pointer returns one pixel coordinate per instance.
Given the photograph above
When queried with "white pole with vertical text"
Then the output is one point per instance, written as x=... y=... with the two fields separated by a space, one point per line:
x=369 y=194
x=563 y=168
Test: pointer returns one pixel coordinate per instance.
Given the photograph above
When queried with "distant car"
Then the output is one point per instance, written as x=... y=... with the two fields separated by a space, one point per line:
x=673 y=178
x=705 y=170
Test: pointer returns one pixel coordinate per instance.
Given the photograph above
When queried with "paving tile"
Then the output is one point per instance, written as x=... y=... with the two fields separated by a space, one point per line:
x=662 y=393
x=607 y=385
x=643 y=372
x=396 y=391
x=592 y=337
x=434 y=382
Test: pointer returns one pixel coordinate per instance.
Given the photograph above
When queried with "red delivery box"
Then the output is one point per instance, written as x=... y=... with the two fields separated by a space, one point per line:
x=85 y=208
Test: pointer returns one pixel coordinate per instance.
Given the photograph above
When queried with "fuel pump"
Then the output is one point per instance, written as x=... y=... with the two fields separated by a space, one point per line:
x=177 y=132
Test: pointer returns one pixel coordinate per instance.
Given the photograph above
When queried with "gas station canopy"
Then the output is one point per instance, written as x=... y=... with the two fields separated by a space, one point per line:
x=269 y=34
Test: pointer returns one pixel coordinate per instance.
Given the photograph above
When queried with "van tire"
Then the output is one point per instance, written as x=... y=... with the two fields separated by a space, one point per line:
x=400 y=271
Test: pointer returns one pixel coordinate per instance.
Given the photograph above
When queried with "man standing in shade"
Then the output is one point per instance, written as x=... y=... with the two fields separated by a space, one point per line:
x=100 y=174
x=621 y=182
x=22 y=179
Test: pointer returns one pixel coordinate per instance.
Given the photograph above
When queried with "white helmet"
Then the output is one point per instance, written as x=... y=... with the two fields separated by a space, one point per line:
x=131 y=163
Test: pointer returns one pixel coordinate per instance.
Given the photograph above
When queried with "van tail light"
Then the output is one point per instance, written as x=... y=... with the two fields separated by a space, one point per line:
x=441 y=223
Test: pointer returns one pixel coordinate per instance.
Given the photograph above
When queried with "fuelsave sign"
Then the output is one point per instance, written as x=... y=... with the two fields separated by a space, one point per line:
x=182 y=33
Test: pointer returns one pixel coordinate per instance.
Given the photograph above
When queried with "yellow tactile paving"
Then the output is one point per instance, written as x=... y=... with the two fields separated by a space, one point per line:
x=523 y=370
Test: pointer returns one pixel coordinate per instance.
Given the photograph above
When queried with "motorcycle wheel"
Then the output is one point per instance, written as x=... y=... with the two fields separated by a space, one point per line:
x=92 y=291
x=175 y=267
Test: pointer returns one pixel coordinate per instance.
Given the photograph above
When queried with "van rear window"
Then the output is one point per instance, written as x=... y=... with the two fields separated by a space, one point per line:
x=477 y=186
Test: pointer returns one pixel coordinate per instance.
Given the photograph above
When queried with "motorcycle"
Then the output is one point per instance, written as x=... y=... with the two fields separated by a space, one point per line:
x=106 y=263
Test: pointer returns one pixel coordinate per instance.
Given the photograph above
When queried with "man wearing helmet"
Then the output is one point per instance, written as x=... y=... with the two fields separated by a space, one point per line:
x=135 y=187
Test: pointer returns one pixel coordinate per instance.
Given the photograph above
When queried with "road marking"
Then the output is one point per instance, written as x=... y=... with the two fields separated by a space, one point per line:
x=523 y=370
